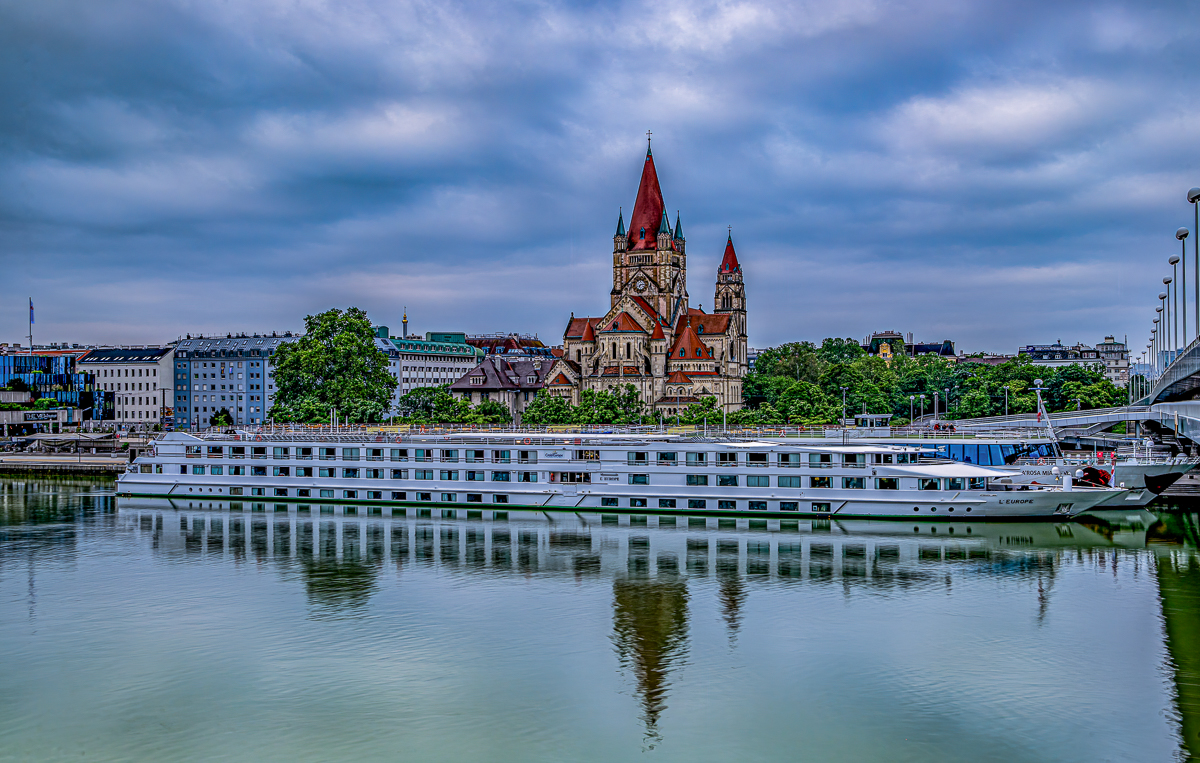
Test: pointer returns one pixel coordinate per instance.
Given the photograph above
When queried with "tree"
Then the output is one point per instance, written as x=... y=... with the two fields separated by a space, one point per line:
x=418 y=404
x=548 y=410
x=336 y=365
x=490 y=412
x=221 y=418
x=839 y=350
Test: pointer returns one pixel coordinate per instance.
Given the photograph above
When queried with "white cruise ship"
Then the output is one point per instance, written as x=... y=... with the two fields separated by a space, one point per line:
x=592 y=474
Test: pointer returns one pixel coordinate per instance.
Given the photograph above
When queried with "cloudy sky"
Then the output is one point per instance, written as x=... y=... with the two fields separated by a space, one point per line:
x=996 y=173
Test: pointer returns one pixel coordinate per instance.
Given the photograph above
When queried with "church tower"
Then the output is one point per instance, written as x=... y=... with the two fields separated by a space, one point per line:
x=730 y=299
x=649 y=260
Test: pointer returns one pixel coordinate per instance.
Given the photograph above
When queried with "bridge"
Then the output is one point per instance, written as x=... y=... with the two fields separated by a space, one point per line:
x=1181 y=418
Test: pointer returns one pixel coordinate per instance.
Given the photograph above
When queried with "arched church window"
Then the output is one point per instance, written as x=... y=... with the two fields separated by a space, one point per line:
x=628 y=351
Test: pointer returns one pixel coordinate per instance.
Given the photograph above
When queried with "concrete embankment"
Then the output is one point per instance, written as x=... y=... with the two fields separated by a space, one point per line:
x=61 y=466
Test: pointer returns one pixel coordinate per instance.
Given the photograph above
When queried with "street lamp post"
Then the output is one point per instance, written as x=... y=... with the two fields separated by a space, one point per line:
x=922 y=406
x=1174 y=260
x=843 y=406
x=1006 y=400
x=1182 y=235
x=1167 y=314
x=911 y=398
x=1194 y=197
x=935 y=406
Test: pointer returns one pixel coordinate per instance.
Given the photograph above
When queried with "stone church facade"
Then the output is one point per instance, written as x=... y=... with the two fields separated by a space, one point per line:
x=673 y=354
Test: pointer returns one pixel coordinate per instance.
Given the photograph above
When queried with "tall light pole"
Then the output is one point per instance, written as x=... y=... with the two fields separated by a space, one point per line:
x=1167 y=315
x=911 y=398
x=1174 y=260
x=947 y=401
x=935 y=406
x=1182 y=235
x=1194 y=197
x=843 y=406
x=1005 y=399
x=922 y=406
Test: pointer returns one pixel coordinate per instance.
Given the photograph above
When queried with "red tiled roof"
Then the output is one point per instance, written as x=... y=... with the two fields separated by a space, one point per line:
x=576 y=326
x=624 y=322
x=678 y=377
x=557 y=352
x=658 y=332
x=644 y=303
x=688 y=346
x=677 y=400
x=647 y=209
x=560 y=380
x=729 y=263
x=704 y=323
x=626 y=371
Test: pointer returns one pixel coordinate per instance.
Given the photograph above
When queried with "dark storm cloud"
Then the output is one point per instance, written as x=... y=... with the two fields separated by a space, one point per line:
x=996 y=173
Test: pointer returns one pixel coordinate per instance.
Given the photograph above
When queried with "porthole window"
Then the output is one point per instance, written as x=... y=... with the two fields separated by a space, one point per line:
x=968 y=508
x=933 y=508
x=951 y=508
x=916 y=508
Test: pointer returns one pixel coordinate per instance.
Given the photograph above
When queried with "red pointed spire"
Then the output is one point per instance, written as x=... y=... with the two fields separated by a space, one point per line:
x=658 y=332
x=729 y=263
x=647 y=210
x=589 y=334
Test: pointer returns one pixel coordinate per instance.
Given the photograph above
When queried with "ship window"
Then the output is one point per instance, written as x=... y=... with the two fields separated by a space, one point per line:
x=928 y=484
x=820 y=508
x=697 y=503
x=789 y=482
x=608 y=501
x=976 y=483
x=695 y=459
x=853 y=483
x=820 y=482
x=666 y=503
x=756 y=481
x=637 y=503
x=887 y=483
x=697 y=479
x=727 y=505
x=639 y=479
x=758 y=506
x=955 y=483
x=501 y=476
x=727 y=480
x=789 y=506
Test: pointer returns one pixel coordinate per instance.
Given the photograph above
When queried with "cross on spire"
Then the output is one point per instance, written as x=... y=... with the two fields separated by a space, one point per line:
x=648 y=134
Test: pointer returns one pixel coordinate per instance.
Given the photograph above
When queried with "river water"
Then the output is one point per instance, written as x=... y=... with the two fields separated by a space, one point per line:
x=138 y=631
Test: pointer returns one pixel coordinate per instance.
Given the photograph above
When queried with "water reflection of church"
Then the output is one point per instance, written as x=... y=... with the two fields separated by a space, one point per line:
x=653 y=563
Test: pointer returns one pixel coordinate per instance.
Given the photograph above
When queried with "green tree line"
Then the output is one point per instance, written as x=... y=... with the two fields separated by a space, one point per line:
x=801 y=383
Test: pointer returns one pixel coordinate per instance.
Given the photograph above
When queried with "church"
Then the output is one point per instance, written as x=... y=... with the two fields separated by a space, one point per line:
x=673 y=354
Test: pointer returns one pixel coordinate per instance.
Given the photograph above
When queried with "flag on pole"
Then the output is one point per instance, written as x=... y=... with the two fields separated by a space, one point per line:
x=31 y=310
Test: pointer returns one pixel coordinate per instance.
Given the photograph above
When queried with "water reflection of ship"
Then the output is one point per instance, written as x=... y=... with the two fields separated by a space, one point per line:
x=650 y=622
x=650 y=561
